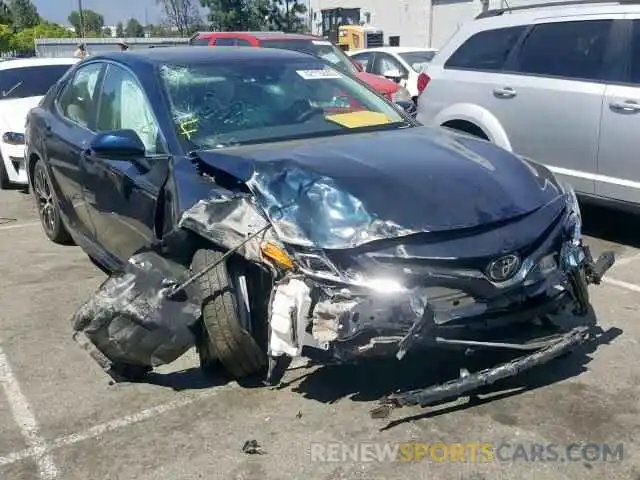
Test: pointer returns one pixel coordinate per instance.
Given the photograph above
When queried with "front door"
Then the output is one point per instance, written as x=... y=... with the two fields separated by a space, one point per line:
x=70 y=132
x=618 y=161
x=122 y=195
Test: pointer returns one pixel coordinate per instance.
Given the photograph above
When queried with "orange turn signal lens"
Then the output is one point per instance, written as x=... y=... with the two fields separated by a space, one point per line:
x=277 y=254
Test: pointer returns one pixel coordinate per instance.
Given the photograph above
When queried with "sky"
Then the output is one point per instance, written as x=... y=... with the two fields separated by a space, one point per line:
x=114 y=11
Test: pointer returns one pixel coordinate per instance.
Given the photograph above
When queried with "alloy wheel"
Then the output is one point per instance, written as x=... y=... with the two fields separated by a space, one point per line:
x=45 y=200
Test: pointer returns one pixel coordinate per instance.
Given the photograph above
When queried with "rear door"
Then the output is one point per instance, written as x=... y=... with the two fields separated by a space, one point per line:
x=122 y=196
x=70 y=132
x=618 y=160
x=549 y=98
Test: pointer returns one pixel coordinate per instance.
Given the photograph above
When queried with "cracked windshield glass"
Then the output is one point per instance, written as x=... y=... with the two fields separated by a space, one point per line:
x=214 y=106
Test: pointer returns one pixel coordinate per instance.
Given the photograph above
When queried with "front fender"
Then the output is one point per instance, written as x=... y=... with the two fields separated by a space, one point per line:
x=480 y=117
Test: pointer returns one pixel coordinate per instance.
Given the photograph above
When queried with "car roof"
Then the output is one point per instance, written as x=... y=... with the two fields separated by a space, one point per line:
x=549 y=10
x=37 y=61
x=261 y=35
x=195 y=55
x=395 y=49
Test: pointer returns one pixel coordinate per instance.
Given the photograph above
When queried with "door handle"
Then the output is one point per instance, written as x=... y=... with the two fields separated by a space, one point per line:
x=506 y=92
x=626 y=106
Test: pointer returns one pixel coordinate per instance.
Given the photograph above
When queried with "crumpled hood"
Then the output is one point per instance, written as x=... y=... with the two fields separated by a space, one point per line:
x=380 y=84
x=344 y=191
x=13 y=112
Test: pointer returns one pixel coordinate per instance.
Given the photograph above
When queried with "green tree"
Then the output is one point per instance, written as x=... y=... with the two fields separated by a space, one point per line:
x=239 y=15
x=119 y=30
x=5 y=13
x=181 y=14
x=107 y=32
x=24 y=14
x=93 y=22
x=24 y=40
x=289 y=15
x=134 y=28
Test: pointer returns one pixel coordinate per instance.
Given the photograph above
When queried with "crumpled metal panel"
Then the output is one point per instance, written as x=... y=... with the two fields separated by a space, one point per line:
x=312 y=210
x=129 y=320
x=226 y=220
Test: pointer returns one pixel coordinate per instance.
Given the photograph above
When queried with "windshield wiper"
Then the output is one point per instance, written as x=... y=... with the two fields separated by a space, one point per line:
x=10 y=91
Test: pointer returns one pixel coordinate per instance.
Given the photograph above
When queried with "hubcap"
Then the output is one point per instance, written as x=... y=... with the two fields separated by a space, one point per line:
x=44 y=197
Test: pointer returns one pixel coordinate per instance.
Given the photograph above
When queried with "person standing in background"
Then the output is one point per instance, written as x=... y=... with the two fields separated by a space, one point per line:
x=81 y=51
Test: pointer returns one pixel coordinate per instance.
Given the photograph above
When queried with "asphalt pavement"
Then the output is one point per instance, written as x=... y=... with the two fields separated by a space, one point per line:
x=61 y=419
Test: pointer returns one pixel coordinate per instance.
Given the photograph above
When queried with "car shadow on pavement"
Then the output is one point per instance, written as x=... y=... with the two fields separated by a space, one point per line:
x=373 y=379
x=610 y=224
x=189 y=379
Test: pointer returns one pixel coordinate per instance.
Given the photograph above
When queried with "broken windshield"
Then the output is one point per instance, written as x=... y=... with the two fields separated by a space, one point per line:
x=217 y=105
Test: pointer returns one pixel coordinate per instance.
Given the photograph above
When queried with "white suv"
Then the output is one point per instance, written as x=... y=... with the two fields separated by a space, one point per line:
x=557 y=84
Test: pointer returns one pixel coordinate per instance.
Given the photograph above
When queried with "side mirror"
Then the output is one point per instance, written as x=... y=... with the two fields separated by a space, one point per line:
x=408 y=107
x=123 y=144
x=358 y=65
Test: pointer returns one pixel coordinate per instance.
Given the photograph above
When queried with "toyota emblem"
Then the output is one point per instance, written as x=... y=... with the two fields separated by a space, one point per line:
x=503 y=268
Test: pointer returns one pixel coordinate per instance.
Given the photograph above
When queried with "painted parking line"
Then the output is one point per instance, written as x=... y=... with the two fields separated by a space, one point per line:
x=13 y=225
x=99 y=430
x=619 y=283
x=26 y=421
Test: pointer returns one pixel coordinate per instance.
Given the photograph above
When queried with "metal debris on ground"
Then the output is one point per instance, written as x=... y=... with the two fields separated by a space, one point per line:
x=252 y=447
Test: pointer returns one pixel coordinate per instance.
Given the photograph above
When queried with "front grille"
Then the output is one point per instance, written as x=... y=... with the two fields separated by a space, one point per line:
x=375 y=40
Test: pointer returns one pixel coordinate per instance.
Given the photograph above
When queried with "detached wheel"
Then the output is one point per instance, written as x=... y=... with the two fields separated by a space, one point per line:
x=4 y=177
x=230 y=335
x=48 y=208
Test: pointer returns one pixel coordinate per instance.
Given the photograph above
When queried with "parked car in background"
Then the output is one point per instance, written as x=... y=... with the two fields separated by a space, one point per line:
x=310 y=44
x=558 y=84
x=404 y=65
x=22 y=85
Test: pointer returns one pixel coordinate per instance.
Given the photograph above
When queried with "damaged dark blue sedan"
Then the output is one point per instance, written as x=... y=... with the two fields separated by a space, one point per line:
x=314 y=213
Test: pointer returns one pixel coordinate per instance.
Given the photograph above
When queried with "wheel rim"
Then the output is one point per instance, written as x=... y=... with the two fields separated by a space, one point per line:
x=44 y=197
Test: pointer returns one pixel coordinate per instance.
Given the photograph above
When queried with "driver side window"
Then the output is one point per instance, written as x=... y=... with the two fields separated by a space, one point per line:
x=77 y=101
x=124 y=106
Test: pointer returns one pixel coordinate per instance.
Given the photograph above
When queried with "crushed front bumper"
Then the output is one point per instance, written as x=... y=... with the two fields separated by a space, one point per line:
x=472 y=382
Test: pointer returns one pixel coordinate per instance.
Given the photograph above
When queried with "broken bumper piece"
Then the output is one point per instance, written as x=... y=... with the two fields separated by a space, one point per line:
x=472 y=382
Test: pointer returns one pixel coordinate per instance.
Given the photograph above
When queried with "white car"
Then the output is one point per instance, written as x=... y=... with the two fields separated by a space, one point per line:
x=23 y=83
x=403 y=64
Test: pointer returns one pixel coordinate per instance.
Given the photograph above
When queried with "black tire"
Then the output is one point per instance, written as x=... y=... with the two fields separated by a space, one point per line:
x=578 y=283
x=4 y=177
x=229 y=341
x=47 y=205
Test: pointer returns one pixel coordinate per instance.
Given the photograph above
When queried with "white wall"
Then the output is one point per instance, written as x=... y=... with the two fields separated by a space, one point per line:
x=419 y=23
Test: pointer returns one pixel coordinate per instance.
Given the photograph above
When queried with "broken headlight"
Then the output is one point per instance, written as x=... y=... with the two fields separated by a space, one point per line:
x=317 y=265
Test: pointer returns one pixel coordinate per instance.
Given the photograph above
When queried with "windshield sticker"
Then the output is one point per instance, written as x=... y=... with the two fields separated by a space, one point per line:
x=321 y=42
x=188 y=126
x=315 y=74
x=359 y=119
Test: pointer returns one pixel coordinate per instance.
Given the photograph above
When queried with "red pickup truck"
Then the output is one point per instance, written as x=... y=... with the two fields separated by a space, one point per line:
x=308 y=44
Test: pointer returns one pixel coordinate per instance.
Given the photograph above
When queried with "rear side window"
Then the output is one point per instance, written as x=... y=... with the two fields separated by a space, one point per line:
x=635 y=53
x=486 y=50
x=199 y=42
x=225 y=42
x=566 y=49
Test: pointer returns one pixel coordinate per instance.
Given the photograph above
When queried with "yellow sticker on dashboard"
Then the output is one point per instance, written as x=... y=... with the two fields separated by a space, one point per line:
x=359 y=119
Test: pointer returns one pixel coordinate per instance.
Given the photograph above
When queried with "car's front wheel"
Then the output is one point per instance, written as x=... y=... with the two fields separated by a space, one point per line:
x=232 y=336
x=47 y=204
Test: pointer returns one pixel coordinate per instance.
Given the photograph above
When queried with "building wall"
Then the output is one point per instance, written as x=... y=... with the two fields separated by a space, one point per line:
x=419 y=23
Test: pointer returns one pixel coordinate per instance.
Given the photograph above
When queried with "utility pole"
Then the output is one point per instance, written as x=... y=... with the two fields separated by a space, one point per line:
x=288 y=16
x=82 y=32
